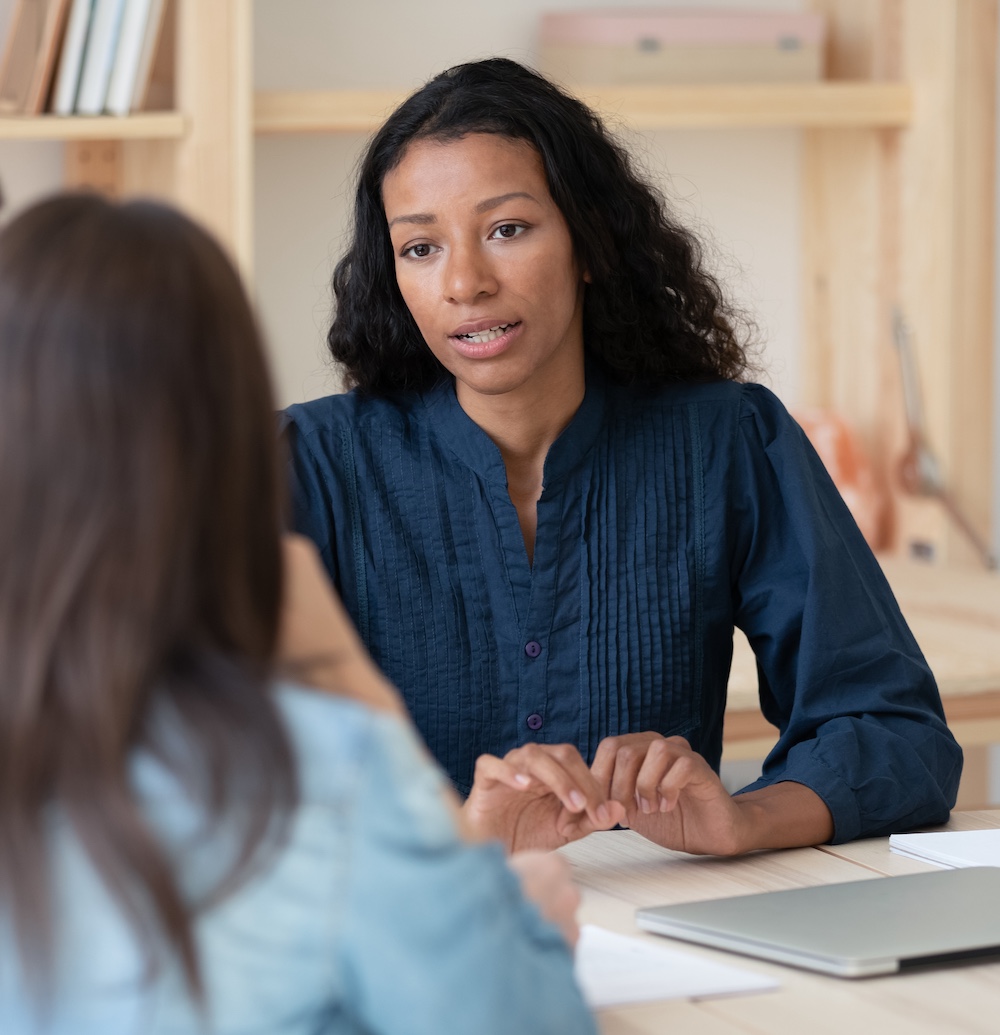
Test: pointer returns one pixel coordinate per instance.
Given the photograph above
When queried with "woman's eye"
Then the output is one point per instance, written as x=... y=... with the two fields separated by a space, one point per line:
x=417 y=251
x=508 y=230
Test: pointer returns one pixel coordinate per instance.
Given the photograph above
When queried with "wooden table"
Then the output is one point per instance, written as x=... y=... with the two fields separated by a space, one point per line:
x=619 y=871
x=954 y=614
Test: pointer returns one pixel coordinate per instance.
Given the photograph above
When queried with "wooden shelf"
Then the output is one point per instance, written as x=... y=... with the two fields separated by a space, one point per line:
x=824 y=104
x=324 y=111
x=158 y=125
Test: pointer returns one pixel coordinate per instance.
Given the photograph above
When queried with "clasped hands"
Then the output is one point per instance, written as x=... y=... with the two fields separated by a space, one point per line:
x=538 y=796
x=545 y=795
x=541 y=796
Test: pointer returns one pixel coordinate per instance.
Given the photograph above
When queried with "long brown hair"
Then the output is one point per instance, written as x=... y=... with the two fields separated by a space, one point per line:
x=140 y=563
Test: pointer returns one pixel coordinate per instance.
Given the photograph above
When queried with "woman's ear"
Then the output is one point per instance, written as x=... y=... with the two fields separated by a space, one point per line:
x=587 y=278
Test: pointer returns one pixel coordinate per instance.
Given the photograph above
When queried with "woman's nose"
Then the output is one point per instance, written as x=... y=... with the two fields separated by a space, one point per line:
x=469 y=275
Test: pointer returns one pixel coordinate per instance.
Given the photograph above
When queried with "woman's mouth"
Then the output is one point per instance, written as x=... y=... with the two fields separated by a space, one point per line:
x=487 y=342
x=490 y=334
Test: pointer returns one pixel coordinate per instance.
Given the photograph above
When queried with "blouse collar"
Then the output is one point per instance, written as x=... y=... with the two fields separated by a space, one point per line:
x=460 y=434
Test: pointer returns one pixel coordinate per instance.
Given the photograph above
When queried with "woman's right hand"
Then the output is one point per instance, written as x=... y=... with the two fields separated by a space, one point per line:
x=547 y=880
x=537 y=796
x=317 y=643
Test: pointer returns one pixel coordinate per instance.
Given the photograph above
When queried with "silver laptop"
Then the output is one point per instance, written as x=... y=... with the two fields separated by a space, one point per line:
x=857 y=929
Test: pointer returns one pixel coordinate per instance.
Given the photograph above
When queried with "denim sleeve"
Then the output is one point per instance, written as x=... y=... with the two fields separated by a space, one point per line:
x=841 y=676
x=457 y=947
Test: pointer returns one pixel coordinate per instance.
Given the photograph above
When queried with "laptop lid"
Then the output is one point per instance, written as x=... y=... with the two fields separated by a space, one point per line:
x=857 y=929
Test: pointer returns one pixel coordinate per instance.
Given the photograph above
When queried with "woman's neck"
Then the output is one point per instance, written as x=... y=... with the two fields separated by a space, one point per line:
x=524 y=425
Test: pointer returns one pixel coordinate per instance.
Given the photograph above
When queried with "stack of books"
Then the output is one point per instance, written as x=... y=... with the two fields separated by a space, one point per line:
x=82 y=57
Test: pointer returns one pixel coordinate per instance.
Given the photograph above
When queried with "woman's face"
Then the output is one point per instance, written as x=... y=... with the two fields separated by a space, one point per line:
x=485 y=264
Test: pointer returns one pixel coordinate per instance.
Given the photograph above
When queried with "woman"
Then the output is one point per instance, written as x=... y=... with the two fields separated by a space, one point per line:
x=550 y=498
x=185 y=846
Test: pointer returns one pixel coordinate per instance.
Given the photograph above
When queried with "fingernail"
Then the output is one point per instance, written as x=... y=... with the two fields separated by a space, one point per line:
x=664 y=805
x=644 y=805
x=577 y=799
x=523 y=779
x=603 y=816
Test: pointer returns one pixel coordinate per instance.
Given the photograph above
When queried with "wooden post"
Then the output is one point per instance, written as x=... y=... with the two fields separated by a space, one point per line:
x=96 y=164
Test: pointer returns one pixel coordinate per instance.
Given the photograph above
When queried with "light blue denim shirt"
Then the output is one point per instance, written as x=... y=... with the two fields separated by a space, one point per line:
x=373 y=917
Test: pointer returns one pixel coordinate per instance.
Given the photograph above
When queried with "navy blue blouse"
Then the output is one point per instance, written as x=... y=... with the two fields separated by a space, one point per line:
x=665 y=520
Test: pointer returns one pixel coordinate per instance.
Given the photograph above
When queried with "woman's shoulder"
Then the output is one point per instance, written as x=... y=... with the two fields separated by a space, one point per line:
x=734 y=399
x=352 y=409
x=334 y=739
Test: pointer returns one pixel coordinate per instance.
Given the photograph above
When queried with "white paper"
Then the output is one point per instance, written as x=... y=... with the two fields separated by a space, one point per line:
x=950 y=848
x=613 y=970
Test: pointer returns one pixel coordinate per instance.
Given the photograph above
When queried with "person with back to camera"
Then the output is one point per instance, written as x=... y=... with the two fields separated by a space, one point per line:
x=192 y=839
x=552 y=495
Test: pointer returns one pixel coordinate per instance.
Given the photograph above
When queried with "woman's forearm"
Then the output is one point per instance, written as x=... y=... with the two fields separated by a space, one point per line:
x=783 y=815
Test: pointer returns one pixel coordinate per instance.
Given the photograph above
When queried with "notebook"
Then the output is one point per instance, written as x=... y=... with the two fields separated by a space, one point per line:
x=857 y=929
x=950 y=847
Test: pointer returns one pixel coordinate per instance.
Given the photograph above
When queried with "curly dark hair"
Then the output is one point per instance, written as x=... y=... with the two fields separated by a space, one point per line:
x=652 y=314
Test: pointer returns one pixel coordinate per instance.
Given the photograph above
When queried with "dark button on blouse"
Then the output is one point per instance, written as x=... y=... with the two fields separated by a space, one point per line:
x=532 y=648
x=534 y=721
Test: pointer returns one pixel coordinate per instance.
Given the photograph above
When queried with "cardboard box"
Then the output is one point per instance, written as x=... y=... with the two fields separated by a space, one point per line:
x=675 y=45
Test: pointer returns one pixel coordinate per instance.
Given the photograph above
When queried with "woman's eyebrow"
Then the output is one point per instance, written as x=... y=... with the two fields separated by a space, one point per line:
x=420 y=218
x=489 y=203
x=426 y=218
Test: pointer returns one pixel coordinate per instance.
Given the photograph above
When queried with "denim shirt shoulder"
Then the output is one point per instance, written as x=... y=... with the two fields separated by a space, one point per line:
x=372 y=866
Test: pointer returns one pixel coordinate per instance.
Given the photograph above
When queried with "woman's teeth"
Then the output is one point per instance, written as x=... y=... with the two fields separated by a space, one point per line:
x=482 y=337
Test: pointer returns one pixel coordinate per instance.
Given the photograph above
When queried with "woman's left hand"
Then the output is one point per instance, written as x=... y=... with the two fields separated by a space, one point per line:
x=670 y=793
x=673 y=796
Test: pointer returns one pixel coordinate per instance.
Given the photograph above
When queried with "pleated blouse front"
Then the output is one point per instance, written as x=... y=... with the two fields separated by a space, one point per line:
x=666 y=519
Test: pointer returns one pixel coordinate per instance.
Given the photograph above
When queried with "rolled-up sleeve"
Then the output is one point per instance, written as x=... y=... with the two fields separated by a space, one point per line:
x=841 y=676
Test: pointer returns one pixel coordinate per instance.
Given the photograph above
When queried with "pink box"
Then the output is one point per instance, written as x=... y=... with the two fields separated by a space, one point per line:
x=678 y=45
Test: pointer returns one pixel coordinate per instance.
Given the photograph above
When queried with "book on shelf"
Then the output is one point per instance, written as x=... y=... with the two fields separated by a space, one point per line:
x=140 y=31
x=154 y=87
x=71 y=59
x=29 y=57
x=99 y=56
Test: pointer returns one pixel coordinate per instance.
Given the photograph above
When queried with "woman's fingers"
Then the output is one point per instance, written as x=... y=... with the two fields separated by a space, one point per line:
x=669 y=765
x=631 y=767
x=617 y=763
x=560 y=769
x=490 y=769
x=539 y=795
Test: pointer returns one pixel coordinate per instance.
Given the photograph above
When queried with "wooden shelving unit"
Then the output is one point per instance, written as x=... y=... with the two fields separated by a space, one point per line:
x=166 y=125
x=806 y=105
x=199 y=156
